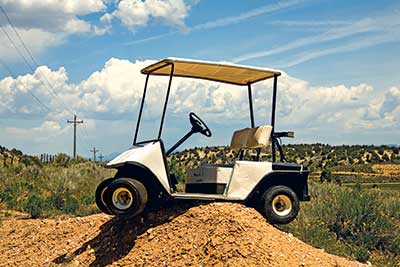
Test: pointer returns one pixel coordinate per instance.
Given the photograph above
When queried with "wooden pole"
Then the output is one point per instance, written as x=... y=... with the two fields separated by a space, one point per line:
x=94 y=153
x=75 y=122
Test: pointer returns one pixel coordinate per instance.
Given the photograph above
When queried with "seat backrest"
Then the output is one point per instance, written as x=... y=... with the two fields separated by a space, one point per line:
x=259 y=137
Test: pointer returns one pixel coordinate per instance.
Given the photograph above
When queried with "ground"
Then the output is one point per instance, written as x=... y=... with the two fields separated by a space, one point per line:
x=217 y=234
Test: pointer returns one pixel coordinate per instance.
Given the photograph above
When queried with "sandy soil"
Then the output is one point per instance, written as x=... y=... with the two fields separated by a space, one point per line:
x=217 y=234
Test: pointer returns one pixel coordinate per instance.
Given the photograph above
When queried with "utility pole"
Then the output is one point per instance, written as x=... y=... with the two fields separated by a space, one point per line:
x=101 y=157
x=75 y=122
x=94 y=153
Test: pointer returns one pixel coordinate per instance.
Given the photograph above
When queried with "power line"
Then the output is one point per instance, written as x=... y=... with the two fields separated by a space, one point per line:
x=94 y=153
x=28 y=91
x=52 y=92
x=86 y=134
x=59 y=100
x=75 y=122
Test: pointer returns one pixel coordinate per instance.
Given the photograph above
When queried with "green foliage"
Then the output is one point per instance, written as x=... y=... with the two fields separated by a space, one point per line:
x=326 y=176
x=350 y=221
x=61 y=159
x=71 y=204
x=62 y=187
x=35 y=205
x=361 y=254
x=355 y=222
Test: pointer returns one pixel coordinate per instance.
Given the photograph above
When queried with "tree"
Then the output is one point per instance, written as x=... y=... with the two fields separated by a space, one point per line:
x=326 y=175
x=385 y=157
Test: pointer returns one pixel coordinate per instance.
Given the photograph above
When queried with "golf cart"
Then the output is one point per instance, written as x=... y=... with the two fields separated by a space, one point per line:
x=143 y=179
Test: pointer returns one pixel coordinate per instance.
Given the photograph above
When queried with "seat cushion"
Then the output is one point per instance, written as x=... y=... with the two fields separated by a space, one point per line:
x=258 y=137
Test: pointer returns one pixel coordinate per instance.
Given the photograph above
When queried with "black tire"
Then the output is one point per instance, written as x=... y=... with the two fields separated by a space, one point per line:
x=280 y=204
x=126 y=197
x=100 y=195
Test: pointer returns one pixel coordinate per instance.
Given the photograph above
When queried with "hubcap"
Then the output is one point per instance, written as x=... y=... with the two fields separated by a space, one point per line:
x=122 y=198
x=282 y=205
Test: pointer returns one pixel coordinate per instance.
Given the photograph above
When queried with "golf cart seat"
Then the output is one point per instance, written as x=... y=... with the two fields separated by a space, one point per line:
x=258 y=137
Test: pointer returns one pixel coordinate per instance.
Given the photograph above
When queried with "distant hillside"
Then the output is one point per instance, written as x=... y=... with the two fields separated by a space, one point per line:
x=316 y=156
x=15 y=157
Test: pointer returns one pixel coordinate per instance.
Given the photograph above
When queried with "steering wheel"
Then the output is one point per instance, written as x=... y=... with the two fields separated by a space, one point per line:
x=198 y=125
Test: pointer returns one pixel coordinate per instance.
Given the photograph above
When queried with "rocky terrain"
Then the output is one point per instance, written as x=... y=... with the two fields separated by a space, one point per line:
x=217 y=234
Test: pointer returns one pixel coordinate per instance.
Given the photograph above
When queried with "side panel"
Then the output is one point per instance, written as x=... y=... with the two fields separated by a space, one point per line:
x=245 y=176
x=149 y=155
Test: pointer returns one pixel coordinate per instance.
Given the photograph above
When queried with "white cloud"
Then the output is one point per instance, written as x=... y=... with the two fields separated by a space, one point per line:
x=51 y=16
x=222 y=22
x=37 y=40
x=247 y=15
x=381 y=28
x=47 y=130
x=312 y=23
x=387 y=37
x=43 y=24
x=113 y=95
x=137 y=13
x=70 y=6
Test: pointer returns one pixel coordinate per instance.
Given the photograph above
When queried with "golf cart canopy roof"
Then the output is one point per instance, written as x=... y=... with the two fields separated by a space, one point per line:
x=208 y=70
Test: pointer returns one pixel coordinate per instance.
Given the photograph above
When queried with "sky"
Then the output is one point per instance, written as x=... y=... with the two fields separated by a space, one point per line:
x=340 y=64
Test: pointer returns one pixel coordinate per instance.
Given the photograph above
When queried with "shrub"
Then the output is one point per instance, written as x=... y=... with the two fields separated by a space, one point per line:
x=35 y=206
x=61 y=159
x=361 y=254
x=350 y=222
x=71 y=204
x=326 y=176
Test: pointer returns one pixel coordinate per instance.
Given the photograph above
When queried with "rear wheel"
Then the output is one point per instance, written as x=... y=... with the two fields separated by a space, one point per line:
x=126 y=197
x=281 y=204
x=100 y=195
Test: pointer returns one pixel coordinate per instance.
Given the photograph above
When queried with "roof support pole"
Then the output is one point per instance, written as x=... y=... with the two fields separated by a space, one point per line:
x=250 y=105
x=141 y=109
x=273 y=116
x=166 y=100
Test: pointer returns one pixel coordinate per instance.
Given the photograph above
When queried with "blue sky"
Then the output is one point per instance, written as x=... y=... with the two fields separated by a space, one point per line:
x=340 y=59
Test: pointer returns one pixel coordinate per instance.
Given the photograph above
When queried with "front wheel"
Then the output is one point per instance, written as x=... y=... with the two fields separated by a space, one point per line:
x=126 y=197
x=280 y=204
x=100 y=195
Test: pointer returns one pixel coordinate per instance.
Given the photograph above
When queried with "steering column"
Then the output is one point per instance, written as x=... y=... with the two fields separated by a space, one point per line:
x=198 y=126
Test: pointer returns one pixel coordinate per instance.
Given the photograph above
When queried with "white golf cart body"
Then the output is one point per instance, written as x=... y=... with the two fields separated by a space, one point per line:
x=237 y=182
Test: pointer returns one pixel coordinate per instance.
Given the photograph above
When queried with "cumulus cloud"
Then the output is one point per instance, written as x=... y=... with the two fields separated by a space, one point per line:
x=47 y=130
x=112 y=95
x=137 y=13
x=51 y=15
x=43 y=24
x=37 y=39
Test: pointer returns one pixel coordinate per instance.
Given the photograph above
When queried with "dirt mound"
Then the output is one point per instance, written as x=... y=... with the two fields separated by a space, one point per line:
x=218 y=234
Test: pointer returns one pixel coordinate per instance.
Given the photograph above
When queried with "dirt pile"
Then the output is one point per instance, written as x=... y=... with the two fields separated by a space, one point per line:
x=209 y=235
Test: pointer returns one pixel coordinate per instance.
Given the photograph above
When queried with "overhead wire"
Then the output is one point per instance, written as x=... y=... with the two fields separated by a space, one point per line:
x=52 y=92
x=27 y=89
x=47 y=86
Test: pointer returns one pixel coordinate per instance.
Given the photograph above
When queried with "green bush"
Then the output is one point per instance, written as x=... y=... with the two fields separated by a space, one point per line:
x=71 y=204
x=350 y=221
x=326 y=176
x=361 y=254
x=61 y=159
x=35 y=206
x=52 y=189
